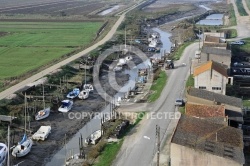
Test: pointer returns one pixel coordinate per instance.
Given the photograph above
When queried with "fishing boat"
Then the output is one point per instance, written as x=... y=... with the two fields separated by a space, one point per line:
x=42 y=133
x=3 y=154
x=84 y=94
x=44 y=113
x=23 y=147
x=94 y=137
x=88 y=87
x=74 y=93
x=66 y=106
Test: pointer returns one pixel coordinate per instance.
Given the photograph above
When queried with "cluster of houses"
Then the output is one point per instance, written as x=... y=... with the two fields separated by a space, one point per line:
x=209 y=133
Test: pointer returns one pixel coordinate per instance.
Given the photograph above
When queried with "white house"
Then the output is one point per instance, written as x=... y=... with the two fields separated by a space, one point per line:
x=211 y=76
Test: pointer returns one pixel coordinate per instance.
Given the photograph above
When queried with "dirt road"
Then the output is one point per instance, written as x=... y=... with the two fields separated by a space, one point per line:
x=35 y=77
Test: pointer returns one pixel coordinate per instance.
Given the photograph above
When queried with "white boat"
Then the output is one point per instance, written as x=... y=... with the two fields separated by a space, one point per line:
x=117 y=68
x=94 y=137
x=121 y=62
x=42 y=114
x=74 y=93
x=3 y=154
x=128 y=58
x=66 y=106
x=42 y=133
x=84 y=94
x=118 y=101
x=88 y=87
x=23 y=147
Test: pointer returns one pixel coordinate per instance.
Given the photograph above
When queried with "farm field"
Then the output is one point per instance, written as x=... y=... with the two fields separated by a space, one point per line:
x=29 y=45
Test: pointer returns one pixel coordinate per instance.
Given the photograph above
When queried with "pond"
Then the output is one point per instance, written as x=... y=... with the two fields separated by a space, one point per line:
x=107 y=11
x=213 y=19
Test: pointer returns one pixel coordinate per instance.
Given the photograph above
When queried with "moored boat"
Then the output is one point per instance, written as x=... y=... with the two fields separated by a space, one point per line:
x=94 y=137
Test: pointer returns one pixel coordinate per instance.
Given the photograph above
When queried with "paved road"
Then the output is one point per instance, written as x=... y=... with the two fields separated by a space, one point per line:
x=137 y=148
x=35 y=77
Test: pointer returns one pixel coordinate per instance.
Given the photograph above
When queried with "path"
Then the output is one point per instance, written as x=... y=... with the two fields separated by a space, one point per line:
x=49 y=70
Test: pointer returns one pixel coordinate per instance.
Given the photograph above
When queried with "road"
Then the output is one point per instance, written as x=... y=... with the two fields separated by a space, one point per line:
x=140 y=148
x=243 y=22
x=41 y=74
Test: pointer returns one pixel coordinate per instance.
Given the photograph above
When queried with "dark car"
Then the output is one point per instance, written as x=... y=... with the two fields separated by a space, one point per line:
x=179 y=102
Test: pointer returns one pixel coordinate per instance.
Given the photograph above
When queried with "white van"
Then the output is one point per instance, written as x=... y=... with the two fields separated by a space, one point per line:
x=197 y=54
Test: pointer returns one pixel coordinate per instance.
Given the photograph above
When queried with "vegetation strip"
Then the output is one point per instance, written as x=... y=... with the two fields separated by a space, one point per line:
x=232 y=18
x=177 y=55
x=158 y=86
x=241 y=8
x=190 y=81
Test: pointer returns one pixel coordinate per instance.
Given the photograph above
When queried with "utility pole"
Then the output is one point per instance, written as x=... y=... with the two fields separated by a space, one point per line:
x=158 y=144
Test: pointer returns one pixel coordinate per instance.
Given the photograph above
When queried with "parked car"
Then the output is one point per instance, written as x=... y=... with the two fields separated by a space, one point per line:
x=238 y=43
x=179 y=102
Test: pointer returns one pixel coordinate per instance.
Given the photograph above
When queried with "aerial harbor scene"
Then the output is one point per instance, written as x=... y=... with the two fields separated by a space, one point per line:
x=124 y=83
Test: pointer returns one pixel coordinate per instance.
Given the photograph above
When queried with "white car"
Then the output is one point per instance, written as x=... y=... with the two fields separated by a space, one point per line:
x=238 y=43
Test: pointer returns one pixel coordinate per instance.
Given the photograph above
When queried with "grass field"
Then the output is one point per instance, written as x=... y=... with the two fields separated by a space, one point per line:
x=241 y=8
x=177 y=54
x=29 y=45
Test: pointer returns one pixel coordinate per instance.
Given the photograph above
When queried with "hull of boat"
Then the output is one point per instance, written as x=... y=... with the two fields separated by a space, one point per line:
x=22 y=149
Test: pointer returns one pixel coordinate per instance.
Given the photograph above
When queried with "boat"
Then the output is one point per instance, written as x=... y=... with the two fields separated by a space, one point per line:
x=94 y=137
x=66 y=106
x=3 y=154
x=74 y=93
x=121 y=62
x=88 y=87
x=84 y=94
x=117 y=68
x=24 y=146
x=42 y=133
x=42 y=114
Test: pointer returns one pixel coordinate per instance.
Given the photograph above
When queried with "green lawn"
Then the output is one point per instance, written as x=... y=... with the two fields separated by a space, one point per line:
x=241 y=8
x=29 y=45
x=158 y=86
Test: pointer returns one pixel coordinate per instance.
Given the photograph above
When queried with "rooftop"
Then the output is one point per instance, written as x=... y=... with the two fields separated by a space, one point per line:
x=217 y=51
x=220 y=68
x=216 y=139
x=214 y=39
x=216 y=97
x=201 y=110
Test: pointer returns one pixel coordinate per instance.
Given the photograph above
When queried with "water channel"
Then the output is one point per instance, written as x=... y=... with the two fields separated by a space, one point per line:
x=107 y=11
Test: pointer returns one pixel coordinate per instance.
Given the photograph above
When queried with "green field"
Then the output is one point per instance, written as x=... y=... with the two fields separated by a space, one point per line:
x=29 y=45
